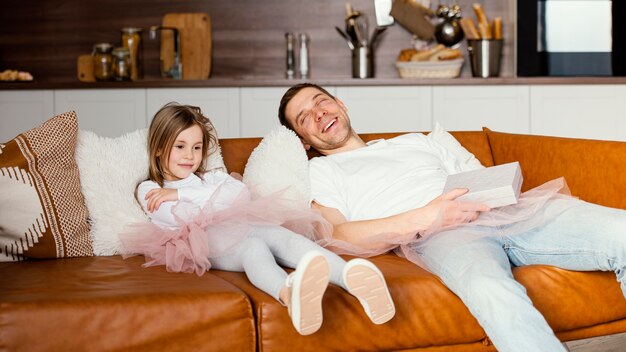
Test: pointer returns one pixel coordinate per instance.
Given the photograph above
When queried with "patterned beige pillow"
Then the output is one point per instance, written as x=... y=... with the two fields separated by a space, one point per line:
x=42 y=211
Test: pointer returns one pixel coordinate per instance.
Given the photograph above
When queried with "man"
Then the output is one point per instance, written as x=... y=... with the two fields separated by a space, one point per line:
x=372 y=192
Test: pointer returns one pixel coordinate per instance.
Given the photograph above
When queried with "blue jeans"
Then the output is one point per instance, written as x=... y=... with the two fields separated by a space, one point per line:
x=586 y=237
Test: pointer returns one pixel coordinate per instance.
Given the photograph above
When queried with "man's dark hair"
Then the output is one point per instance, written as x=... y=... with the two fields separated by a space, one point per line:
x=291 y=92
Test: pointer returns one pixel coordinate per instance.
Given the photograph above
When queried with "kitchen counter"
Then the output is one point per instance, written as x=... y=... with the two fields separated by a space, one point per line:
x=281 y=82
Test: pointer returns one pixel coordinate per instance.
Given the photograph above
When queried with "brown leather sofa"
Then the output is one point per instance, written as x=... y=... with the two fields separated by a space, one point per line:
x=107 y=303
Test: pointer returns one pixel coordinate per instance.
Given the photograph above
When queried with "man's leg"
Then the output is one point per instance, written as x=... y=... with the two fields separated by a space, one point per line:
x=479 y=272
x=585 y=237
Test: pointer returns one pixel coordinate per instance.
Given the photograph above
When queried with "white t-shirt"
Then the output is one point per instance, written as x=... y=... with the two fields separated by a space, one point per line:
x=385 y=178
x=192 y=189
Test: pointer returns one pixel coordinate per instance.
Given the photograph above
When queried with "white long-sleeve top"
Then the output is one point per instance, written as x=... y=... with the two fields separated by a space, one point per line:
x=192 y=189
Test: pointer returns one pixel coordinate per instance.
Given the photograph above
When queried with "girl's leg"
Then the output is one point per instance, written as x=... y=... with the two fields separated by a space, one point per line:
x=586 y=237
x=253 y=257
x=479 y=272
x=289 y=247
x=359 y=277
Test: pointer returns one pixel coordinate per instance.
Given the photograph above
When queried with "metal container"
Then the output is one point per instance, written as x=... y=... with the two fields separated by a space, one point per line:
x=362 y=62
x=485 y=56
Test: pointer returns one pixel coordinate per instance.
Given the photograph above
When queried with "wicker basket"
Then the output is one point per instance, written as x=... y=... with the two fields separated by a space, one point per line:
x=430 y=69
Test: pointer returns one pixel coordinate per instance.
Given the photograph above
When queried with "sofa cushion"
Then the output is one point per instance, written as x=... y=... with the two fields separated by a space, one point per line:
x=42 y=212
x=110 y=170
x=593 y=169
x=576 y=304
x=427 y=314
x=111 y=304
x=279 y=164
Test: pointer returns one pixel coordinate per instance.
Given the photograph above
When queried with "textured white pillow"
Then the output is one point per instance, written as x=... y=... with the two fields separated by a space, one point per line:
x=448 y=141
x=110 y=169
x=279 y=163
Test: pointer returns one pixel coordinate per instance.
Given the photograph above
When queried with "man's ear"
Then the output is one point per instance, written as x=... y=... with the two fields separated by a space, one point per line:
x=341 y=104
x=306 y=145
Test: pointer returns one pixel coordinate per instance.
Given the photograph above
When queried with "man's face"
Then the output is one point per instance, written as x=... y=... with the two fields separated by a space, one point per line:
x=321 y=121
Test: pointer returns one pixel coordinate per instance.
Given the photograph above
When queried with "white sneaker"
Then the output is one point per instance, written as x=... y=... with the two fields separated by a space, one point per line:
x=307 y=285
x=365 y=281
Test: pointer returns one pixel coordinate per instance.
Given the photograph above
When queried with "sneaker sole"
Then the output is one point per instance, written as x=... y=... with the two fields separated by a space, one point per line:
x=369 y=286
x=314 y=283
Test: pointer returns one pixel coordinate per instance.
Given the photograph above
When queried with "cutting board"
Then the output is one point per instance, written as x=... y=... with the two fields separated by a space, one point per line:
x=195 y=42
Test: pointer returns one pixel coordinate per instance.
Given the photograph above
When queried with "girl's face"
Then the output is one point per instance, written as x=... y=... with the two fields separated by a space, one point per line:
x=186 y=154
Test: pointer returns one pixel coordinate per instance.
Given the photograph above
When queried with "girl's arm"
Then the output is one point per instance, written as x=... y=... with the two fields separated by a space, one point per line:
x=162 y=214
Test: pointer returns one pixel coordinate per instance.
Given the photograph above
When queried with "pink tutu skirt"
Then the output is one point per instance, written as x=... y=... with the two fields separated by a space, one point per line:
x=534 y=208
x=208 y=232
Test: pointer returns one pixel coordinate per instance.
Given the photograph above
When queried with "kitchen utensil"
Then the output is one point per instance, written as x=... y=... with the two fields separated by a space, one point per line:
x=290 y=69
x=346 y=37
x=376 y=35
x=175 y=69
x=85 y=68
x=382 y=9
x=414 y=17
x=195 y=43
x=304 y=68
x=448 y=32
x=351 y=27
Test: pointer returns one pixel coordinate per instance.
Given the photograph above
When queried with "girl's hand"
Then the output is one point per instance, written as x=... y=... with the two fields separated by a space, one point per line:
x=159 y=195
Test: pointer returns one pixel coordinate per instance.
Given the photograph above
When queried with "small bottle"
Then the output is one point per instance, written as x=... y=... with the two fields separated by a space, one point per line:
x=304 y=68
x=121 y=64
x=291 y=56
x=102 y=61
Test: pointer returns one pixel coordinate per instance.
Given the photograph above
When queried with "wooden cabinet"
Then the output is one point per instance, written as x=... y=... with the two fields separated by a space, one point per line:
x=469 y=108
x=23 y=110
x=582 y=111
x=221 y=105
x=579 y=111
x=107 y=112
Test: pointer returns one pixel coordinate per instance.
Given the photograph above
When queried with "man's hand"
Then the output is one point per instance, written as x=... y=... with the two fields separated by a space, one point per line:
x=446 y=211
x=159 y=195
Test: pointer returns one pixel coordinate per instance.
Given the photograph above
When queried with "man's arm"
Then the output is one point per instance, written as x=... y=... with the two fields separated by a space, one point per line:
x=375 y=234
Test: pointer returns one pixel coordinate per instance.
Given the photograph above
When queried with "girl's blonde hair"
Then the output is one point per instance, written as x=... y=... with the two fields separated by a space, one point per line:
x=167 y=123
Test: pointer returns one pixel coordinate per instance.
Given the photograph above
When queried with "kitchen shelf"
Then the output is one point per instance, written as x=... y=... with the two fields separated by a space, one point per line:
x=281 y=82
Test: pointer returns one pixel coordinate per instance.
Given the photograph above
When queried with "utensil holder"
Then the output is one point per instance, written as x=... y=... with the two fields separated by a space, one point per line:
x=362 y=62
x=485 y=57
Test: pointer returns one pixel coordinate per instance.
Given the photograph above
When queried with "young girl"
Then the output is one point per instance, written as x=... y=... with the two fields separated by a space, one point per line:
x=206 y=214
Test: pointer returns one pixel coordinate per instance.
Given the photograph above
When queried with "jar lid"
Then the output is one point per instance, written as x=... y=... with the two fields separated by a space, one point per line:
x=131 y=30
x=121 y=52
x=102 y=47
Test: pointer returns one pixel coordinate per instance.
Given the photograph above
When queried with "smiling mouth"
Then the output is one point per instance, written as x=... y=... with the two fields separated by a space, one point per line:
x=329 y=124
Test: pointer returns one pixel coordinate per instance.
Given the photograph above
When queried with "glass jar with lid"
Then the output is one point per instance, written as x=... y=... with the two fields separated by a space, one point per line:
x=102 y=61
x=121 y=64
x=131 y=39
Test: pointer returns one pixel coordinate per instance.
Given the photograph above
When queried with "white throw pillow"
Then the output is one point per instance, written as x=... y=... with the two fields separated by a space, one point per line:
x=448 y=141
x=110 y=169
x=279 y=163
